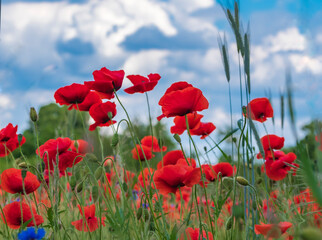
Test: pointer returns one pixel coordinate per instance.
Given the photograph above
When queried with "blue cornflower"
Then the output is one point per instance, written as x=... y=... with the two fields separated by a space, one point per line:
x=30 y=234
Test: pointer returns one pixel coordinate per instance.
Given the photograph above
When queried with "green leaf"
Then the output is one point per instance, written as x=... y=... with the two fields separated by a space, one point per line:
x=173 y=235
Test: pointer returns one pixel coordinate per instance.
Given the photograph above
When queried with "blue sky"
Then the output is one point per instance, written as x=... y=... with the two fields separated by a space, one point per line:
x=49 y=44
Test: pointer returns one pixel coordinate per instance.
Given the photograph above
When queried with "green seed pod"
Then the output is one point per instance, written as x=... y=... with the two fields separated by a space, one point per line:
x=259 y=181
x=91 y=157
x=146 y=214
x=23 y=173
x=72 y=182
x=310 y=234
x=229 y=223
x=99 y=173
x=227 y=182
x=139 y=213
x=242 y=181
x=95 y=193
x=33 y=115
x=115 y=140
x=79 y=187
x=177 y=138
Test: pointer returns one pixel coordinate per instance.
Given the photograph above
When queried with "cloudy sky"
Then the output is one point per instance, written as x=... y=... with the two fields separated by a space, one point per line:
x=49 y=44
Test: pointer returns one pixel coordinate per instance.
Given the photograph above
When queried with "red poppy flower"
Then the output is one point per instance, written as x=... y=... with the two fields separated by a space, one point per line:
x=89 y=101
x=145 y=178
x=180 y=99
x=58 y=148
x=139 y=155
x=92 y=222
x=271 y=142
x=203 y=130
x=272 y=230
x=12 y=213
x=171 y=177
x=170 y=158
x=105 y=82
x=193 y=234
x=81 y=146
x=11 y=181
x=260 y=109
x=277 y=169
x=225 y=168
x=78 y=96
x=9 y=140
x=142 y=84
x=180 y=123
x=209 y=173
x=147 y=141
x=99 y=112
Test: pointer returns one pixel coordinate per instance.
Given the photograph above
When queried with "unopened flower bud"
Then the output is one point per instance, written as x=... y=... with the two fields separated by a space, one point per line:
x=79 y=187
x=115 y=140
x=99 y=173
x=177 y=138
x=110 y=115
x=229 y=223
x=310 y=234
x=72 y=182
x=95 y=193
x=242 y=181
x=23 y=173
x=139 y=213
x=33 y=114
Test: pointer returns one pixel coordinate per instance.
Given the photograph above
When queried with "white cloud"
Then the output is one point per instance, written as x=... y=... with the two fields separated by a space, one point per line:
x=146 y=61
x=286 y=40
x=303 y=63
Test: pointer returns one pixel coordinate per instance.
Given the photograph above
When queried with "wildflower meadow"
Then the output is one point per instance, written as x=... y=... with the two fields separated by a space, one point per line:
x=63 y=179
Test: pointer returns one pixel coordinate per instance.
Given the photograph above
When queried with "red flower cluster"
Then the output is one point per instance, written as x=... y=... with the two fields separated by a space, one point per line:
x=196 y=127
x=180 y=99
x=260 y=109
x=91 y=222
x=225 y=169
x=11 y=181
x=14 y=216
x=272 y=230
x=142 y=84
x=9 y=140
x=194 y=234
x=149 y=144
x=278 y=166
x=60 y=149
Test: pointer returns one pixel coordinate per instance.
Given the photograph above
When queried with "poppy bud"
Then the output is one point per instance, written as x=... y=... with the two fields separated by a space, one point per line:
x=79 y=187
x=110 y=115
x=234 y=139
x=310 y=234
x=20 y=137
x=33 y=114
x=95 y=193
x=227 y=182
x=72 y=182
x=177 y=138
x=22 y=165
x=242 y=181
x=259 y=181
x=91 y=157
x=146 y=214
x=254 y=205
x=205 y=148
x=229 y=223
x=23 y=173
x=115 y=140
x=139 y=213
x=99 y=173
